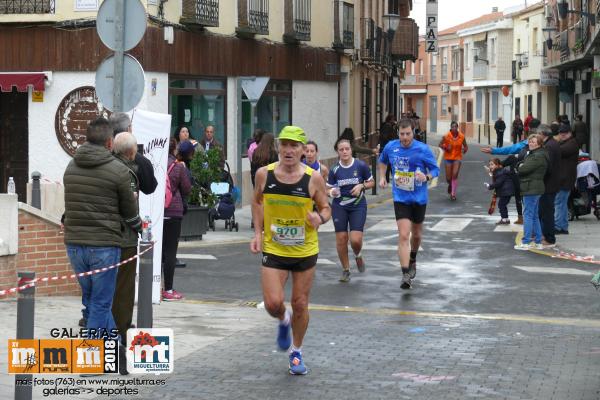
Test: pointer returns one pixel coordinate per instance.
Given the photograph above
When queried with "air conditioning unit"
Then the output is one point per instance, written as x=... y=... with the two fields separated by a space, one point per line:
x=445 y=88
x=548 y=12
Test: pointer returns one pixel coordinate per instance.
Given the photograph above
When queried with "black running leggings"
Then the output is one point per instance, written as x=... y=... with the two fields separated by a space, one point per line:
x=171 y=232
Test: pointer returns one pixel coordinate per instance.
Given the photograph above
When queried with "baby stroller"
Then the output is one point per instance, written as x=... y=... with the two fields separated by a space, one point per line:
x=225 y=207
x=582 y=200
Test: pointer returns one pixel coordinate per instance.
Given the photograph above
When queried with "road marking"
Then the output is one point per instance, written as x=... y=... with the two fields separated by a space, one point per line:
x=451 y=224
x=327 y=227
x=196 y=256
x=558 y=271
x=325 y=261
x=514 y=228
x=589 y=323
x=385 y=225
x=383 y=247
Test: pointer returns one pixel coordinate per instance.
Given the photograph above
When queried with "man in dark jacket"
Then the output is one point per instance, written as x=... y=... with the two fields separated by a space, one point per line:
x=569 y=153
x=120 y=122
x=209 y=141
x=500 y=127
x=551 y=184
x=98 y=200
x=517 y=129
x=125 y=150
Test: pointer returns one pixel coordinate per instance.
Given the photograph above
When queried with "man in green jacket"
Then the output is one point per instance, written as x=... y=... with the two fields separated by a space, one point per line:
x=98 y=199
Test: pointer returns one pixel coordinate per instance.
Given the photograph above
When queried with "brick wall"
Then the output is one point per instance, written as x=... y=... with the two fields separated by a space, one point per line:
x=41 y=250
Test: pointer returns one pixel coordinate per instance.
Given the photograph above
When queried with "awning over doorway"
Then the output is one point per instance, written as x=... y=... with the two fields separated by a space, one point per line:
x=21 y=80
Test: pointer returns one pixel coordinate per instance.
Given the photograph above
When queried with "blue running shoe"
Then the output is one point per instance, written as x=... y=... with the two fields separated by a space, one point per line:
x=297 y=366
x=284 y=339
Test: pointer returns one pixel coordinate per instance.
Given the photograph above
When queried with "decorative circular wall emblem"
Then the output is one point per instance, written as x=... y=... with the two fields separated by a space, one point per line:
x=73 y=115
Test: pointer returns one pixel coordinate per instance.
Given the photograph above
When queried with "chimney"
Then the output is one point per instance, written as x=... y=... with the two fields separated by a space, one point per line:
x=494 y=9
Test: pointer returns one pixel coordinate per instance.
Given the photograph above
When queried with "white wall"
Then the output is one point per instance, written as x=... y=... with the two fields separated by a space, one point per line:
x=315 y=109
x=9 y=228
x=45 y=153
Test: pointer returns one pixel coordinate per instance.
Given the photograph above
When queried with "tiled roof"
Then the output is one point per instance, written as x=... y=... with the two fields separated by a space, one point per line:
x=474 y=22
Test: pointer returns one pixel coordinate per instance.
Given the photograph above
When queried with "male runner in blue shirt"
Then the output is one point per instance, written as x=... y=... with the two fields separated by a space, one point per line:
x=413 y=165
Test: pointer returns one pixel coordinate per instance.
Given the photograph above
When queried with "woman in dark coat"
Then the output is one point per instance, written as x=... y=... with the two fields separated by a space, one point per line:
x=531 y=179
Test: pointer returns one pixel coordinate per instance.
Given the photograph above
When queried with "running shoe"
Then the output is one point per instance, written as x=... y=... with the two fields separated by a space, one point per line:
x=452 y=197
x=284 y=339
x=412 y=269
x=406 y=281
x=360 y=264
x=171 y=296
x=503 y=222
x=523 y=246
x=537 y=246
x=547 y=245
x=345 y=276
x=297 y=366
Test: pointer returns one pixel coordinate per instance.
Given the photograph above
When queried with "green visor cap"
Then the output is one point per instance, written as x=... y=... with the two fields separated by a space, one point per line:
x=292 y=133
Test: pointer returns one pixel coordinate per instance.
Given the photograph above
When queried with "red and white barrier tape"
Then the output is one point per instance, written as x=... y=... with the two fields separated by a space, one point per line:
x=574 y=257
x=32 y=282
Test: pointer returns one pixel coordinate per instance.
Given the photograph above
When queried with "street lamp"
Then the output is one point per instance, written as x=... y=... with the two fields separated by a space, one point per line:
x=563 y=11
x=390 y=24
x=549 y=41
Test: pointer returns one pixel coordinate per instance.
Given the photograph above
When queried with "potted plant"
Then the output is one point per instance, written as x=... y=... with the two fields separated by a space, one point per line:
x=205 y=168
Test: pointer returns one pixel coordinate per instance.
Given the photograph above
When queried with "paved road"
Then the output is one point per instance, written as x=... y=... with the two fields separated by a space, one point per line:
x=482 y=321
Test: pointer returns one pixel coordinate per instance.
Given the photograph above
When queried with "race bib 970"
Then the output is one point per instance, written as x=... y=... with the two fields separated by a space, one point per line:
x=288 y=232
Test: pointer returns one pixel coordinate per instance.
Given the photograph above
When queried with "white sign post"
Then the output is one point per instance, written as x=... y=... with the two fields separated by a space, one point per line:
x=431 y=27
x=153 y=131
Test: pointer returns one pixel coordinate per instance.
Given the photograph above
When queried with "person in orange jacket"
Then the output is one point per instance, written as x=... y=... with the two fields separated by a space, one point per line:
x=454 y=145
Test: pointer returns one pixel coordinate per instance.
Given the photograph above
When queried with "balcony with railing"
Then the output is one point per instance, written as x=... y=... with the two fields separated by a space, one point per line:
x=413 y=80
x=253 y=18
x=405 y=45
x=200 y=13
x=27 y=6
x=343 y=25
x=297 y=21
x=367 y=34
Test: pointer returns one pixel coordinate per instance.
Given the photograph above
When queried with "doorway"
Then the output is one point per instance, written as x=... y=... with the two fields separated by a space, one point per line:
x=14 y=142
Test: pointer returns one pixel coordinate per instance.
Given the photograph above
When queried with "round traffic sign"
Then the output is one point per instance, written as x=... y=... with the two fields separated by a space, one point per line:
x=133 y=83
x=133 y=23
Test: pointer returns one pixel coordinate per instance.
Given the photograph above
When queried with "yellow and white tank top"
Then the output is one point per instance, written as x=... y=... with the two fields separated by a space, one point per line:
x=287 y=231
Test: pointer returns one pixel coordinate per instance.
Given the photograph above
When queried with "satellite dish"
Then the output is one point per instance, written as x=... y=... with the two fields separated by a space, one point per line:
x=133 y=83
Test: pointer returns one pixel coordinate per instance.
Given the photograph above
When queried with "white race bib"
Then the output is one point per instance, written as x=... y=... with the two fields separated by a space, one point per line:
x=405 y=180
x=288 y=232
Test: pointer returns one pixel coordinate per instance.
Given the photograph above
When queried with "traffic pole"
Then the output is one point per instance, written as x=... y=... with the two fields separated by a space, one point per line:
x=146 y=276
x=25 y=318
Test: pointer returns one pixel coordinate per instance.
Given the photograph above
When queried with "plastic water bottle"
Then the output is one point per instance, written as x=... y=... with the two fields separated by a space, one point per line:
x=10 y=186
x=146 y=229
x=417 y=182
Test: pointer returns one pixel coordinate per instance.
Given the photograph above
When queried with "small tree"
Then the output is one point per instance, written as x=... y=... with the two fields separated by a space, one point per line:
x=206 y=169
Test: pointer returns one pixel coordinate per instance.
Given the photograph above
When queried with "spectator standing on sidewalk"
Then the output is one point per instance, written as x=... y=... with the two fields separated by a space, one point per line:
x=569 y=153
x=348 y=134
x=551 y=186
x=526 y=127
x=387 y=133
x=500 y=127
x=180 y=187
x=531 y=176
x=98 y=199
x=286 y=232
x=517 y=129
x=502 y=183
x=125 y=149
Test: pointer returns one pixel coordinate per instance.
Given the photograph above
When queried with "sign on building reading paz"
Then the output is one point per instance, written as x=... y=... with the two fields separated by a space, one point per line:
x=431 y=27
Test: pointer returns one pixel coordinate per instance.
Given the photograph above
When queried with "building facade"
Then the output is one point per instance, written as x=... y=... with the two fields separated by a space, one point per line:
x=573 y=50
x=529 y=94
x=195 y=54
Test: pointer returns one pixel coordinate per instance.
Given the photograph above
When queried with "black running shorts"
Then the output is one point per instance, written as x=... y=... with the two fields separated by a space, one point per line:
x=294 y=264
x=413 y=212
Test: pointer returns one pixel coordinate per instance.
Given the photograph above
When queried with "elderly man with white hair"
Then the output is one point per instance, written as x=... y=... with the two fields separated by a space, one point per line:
x=125 y=150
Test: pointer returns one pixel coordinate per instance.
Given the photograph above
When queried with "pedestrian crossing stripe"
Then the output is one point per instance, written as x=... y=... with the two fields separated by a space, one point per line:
x=196 y=257
x=324 y=261
x=451 y=224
